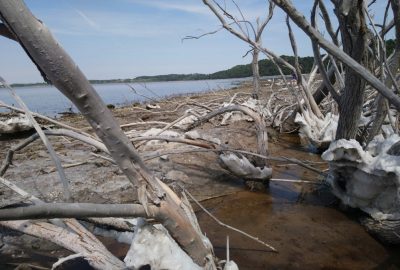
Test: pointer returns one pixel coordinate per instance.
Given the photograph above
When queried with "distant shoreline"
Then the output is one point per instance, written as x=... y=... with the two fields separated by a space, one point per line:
x=266 y=67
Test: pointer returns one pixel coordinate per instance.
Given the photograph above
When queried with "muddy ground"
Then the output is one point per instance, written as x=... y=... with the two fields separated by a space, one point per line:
x=303 y=221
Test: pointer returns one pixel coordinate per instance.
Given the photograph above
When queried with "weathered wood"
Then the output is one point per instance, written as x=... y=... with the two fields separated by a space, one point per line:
x=75 y=210
x=60 y=69
x=301 y=22
x=262 y=135
x=354 y=34
x=75 y=229
x=97 y=256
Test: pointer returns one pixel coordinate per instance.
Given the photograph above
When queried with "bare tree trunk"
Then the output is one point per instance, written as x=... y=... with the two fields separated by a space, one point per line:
x=330 y=48
x=256 y=74
x=394 y=63
x=354 y=33
x=60 y=69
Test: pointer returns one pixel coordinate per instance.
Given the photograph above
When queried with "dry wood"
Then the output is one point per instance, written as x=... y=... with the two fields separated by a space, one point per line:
x=48 y=119
x=75 y=210
x=60 y=69
x=78 y=230
x=300 y=80
x=262 y=135
x=98 y=257
x=45 y=140
x=301 y=22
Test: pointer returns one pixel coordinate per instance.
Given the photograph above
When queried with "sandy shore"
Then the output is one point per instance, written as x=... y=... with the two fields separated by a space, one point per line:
x=299 y=219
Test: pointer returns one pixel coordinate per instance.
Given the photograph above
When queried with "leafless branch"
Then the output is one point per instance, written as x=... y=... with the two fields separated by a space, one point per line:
x=46 y=142
x=318 y=58
x=299 y=19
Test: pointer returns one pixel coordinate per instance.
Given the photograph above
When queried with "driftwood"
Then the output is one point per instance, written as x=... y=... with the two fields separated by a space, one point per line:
x=60 y=69
x=45 y=140
x=301 y=22
x=75 y=238
x=75 y=210
x=78 y=241
x=262 y=135
x=15 y=124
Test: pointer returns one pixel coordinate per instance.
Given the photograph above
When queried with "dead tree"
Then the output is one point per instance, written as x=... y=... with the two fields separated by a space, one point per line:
x=336 y=52
x=58 y=68
x=254 y=64
x=355 y=172
x=354 y=33
x=229 y=22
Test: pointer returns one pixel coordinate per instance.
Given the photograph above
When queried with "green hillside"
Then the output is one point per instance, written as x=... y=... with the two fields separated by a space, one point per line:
x=267 y=68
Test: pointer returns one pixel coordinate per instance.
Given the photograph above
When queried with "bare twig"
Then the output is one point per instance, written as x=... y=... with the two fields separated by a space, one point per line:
x=226 y=225
x=45 y=140
x=299 y=19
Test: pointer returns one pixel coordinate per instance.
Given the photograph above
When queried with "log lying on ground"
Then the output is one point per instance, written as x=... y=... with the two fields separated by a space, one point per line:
x=96 y=254
x=75 y=210
x=57 y=67
x=368 y=180
x=68 y=233
x=262 y=135
x=15 y=124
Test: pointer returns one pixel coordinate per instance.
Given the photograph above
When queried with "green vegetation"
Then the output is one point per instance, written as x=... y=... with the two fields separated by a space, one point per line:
x=390 y=45
x=267 y=68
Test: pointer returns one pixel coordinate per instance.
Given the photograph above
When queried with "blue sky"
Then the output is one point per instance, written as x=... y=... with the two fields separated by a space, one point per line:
x=129 y=38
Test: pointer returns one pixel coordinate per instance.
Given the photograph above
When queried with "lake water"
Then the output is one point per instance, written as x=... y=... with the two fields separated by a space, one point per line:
x=49 y=101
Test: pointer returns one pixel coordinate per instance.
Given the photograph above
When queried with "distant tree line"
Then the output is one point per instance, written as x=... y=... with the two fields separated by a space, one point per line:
x=267 y=68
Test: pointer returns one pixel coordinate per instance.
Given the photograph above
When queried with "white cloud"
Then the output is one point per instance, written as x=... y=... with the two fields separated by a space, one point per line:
x=87 y=19
x=179 y=6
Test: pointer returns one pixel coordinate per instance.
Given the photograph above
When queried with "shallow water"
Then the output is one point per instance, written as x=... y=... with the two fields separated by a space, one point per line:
x=302 y=221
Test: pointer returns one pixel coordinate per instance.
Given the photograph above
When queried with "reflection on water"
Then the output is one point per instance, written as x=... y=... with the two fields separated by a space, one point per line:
x=300 y=220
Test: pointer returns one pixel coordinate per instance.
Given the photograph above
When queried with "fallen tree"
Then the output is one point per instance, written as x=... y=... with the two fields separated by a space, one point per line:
x=57 y=67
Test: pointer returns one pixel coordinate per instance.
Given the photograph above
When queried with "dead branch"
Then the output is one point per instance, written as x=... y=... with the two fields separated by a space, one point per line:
x=279 y=159
x=226 y=225
x=45 y=140
x=318 y=57
x=262 y=135
x=148 y=123
x=327 y=21
x=60 y=69
x=300 y=81
x=299 y=19
x=97 y=256
x=84 y=235
x=75 y=210
x=177 y=140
